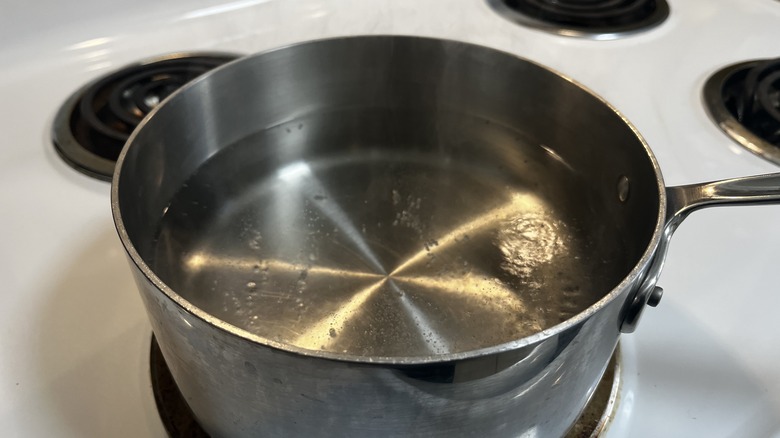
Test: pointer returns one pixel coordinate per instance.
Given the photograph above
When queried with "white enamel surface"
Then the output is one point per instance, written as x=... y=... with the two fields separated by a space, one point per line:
x=73 y=334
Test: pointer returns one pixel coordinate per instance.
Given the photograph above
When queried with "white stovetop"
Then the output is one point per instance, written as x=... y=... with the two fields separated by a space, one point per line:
x=73 y=334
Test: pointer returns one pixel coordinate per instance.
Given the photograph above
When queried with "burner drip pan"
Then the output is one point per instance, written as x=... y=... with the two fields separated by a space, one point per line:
x=744 y=101
x=92 y=126
x=596 y=19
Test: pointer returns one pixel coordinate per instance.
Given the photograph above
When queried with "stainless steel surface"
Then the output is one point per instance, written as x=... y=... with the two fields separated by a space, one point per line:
x=603 y=405
x=660 y=14
x=179 y=421
x=433 y=235
x=713 y=102
x=312 y=183
x=410 y=220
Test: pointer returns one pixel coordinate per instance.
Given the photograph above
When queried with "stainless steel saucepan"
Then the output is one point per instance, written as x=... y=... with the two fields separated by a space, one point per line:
x=395 y=236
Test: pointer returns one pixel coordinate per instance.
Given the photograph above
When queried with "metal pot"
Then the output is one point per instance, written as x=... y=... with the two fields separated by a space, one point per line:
x=394 y=236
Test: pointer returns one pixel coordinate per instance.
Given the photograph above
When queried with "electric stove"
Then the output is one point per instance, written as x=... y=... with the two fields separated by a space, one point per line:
x=74 y=339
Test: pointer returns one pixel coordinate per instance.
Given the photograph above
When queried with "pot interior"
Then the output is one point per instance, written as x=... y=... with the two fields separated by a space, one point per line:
x=388 y=196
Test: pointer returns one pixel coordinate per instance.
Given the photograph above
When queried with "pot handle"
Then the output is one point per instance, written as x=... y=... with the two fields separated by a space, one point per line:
x=682 y=201
x=759 y=189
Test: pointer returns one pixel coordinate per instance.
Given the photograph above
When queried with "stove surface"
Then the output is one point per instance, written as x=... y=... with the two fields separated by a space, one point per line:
x=74 y=339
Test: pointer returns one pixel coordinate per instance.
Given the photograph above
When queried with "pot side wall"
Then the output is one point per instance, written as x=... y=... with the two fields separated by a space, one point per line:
x=239 y=388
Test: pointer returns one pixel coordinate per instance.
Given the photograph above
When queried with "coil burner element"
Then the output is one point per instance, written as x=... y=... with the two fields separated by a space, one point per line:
x=92 y=126
x=744 y=101
x=597 y=19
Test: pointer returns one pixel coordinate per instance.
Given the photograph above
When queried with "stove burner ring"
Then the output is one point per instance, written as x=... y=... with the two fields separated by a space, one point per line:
x=92 y=126
x=744 y=101
x=756 y=106
x=598 y=19
x=178 y=419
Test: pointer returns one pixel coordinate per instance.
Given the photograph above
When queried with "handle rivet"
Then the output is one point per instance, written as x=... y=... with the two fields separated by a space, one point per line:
x=655 y=296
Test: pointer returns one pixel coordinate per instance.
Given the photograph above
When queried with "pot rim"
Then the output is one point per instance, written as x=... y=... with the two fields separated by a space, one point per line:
x=631 y=278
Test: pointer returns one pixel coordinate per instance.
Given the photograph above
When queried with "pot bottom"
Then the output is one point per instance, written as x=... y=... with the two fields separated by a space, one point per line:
x=179 y=420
